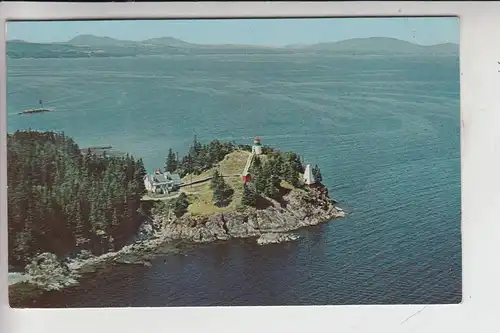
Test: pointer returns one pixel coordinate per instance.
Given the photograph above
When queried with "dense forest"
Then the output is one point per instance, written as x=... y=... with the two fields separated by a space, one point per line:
x=267 y=175
x=62 y=201
x=200 y=157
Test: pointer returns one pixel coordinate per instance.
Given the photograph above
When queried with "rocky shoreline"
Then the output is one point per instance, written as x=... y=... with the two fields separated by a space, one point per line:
x=159 y=234
x=297 y=209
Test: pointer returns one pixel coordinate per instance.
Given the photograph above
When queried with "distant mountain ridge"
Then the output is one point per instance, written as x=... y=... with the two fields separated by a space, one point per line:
x=99 y=46
x=379 y=44
x=91 y=40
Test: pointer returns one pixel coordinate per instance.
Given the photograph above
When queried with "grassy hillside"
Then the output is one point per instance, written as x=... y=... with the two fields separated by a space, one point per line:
x=200 y=195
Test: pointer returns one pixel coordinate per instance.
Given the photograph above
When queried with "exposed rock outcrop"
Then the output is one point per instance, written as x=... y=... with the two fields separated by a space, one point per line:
x=50 y=273
x=275 y=238
x=298 y=209
x=271 y=225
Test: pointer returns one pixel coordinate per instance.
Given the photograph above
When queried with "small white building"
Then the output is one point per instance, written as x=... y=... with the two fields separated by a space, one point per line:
x=309 y=179
x=162 y=182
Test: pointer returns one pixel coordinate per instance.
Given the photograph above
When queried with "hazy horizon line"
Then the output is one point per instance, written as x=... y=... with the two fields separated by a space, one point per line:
x=222 y=44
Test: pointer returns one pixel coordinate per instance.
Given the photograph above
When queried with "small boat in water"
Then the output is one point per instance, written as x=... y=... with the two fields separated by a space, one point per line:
x=39 y=110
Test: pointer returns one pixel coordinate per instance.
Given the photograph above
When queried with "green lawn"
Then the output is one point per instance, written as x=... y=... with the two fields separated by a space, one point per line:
x=200 y=195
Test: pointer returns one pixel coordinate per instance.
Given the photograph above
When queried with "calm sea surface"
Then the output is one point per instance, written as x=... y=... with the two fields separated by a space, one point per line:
x=385 y=132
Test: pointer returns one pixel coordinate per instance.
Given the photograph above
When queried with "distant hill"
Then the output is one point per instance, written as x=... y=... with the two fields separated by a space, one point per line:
x=96 y=46
x=379 y=45
x=91 y=40
x=96 y=41
x=170 y=41
x=21 y=49
x=17 y=41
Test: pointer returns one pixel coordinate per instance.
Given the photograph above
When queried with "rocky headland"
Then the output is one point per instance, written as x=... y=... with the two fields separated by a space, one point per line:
x=160 y=234
x=215 y=204
x=296 y=210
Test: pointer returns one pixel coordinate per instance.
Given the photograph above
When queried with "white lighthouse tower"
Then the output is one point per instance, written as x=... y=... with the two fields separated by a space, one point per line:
x=256 y=148
x=309 y=177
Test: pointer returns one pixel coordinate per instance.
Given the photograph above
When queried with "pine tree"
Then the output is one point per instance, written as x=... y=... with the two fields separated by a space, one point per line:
x=259 y=179
x=267 y=182
x=216 y=181
x=317 y=174
x=140 y=173
x=180 y=204
x=115 y=223
x=187 y=165
x=276 y=181
x=171 y=161
x=249 y=197
x=194 y=153
x=222 y=192
x=278 y=165
x=290 y=175
x=81 y=227
x=270 y=190
x=295 y=161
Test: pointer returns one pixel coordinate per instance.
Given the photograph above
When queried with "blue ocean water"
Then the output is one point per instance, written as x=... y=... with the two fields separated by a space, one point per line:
x=384 y=130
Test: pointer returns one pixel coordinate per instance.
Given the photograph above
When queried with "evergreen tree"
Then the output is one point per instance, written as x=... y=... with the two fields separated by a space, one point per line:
x=140 y=173
x=290 y=175
x=171 y=161
x=275 y=181
x=180 y=204
x=81 y=231
x=317 y=174
x=270 y=190
x=202 y=157
x=249 y=197
x=57 y=199
x=115 y=224
x=265 y=181
x=216 y=181
x=295 y=161
x=278 y=165
x=259 y=179
x=222 y=192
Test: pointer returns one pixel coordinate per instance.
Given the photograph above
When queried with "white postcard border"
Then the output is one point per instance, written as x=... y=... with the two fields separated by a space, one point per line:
x=480 y=174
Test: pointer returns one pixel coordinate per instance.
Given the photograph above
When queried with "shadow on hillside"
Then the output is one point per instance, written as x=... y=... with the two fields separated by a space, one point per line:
x=263 y=203
x=282 y=192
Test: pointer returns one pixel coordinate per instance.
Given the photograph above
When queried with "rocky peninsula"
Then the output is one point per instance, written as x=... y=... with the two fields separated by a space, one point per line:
x=160 y=235
x=215 y=204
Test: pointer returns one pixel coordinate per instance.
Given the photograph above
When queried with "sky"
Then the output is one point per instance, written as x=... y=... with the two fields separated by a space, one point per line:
x=270 y=32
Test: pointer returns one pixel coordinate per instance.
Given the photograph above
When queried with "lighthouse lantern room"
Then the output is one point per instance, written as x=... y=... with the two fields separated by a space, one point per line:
x=256 y=148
